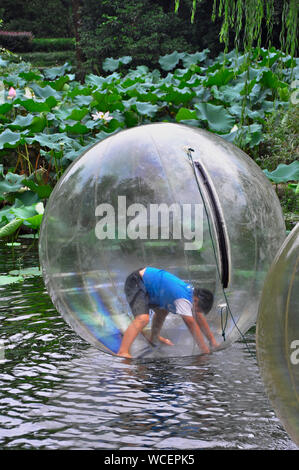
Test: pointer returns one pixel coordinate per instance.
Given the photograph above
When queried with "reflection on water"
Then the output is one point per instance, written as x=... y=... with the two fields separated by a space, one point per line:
x=57 y=392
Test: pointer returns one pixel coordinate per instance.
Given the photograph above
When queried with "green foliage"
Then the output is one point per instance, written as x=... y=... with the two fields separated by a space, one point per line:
x=13 y=217
x=52 y=44
x=170 y=61
x=53 y=118
x=279 y=153
x=143 y=30
x=9 y=183
x=248 y=21
x=284 y=173
x=10 y=227
x=5 y=279
x=41 y=51
x=281 y=138
x=16 y=41
x=19 y=275
x=149 y=28
x=51 y=19
x=289 y=32
x=288 y=193
x=46 y=59
x=110 y=64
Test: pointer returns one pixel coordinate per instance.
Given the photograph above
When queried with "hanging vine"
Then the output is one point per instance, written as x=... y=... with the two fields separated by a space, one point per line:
x=246 y=19
x=288 y=36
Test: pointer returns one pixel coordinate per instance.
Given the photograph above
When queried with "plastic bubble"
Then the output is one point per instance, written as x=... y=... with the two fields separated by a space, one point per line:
x=168 y=196
x=278 y=334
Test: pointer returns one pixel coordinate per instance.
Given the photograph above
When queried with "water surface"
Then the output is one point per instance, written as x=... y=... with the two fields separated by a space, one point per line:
x=58 y=392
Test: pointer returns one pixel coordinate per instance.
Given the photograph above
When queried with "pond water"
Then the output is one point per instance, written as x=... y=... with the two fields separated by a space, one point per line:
x=58 y=392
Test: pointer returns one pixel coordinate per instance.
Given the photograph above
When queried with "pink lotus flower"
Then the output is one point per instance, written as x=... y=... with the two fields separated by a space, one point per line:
x=12 y=93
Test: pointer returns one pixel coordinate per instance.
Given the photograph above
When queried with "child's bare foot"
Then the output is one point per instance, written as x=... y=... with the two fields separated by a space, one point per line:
x=205 y=349
x=124 y=354
x=166 y=341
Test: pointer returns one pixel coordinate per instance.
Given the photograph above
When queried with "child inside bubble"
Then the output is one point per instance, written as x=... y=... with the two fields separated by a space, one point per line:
x=158 y=290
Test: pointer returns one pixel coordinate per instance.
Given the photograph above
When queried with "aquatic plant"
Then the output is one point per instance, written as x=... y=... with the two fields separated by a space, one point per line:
x=52 y=118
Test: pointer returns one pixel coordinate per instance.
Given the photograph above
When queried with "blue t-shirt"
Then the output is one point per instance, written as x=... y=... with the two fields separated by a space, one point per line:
x=164 y=288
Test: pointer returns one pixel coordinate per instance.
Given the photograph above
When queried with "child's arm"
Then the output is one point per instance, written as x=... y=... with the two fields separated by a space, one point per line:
x=203 y=324
x=196 y=333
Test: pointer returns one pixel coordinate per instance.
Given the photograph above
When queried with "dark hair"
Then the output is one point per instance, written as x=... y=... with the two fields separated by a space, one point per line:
x=205 y=299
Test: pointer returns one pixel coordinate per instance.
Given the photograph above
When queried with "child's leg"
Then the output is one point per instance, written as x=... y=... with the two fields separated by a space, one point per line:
x=157 y=323
x=137 y=325
x=196 y=333
x=138 y=300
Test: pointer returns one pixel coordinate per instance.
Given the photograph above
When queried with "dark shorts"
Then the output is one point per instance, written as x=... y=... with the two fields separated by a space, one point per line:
x=137 y=295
